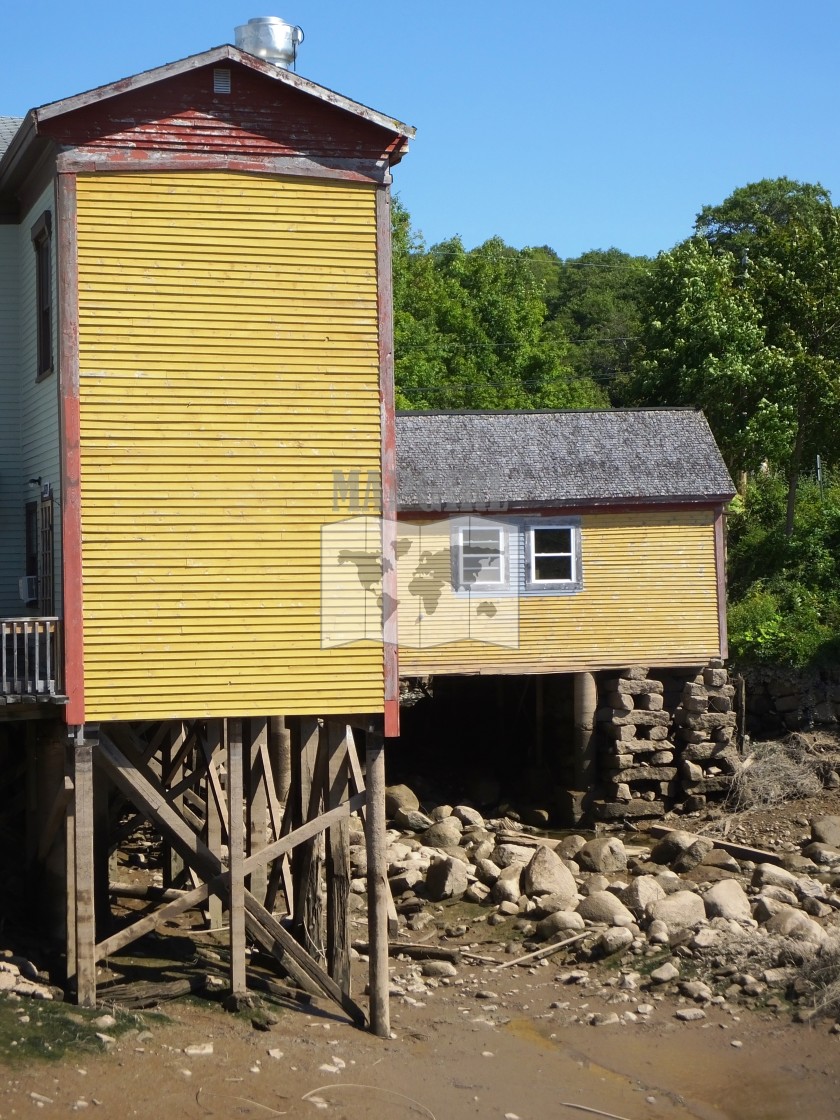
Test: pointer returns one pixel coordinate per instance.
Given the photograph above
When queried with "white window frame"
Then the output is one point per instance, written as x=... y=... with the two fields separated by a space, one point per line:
x=573 y=553
x=502 y=536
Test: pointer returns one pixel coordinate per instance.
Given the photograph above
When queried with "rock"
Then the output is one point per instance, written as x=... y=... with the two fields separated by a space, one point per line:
x=593 y=883
x=507 y=887
x=705 y=938
x=826 y=830
x=640 y=893
x=477 y=892
x=487 y=871
x=666 y=850
x=693 y=854
x=565 y=922
x=399 y=797
x=546 y=873
x=602 y=906
x=447 y=878
x=679 y=911
x=467 y=815
x=508 y=909
x=717 y=857
x=412 y=820
x=506 y=854
x=614 y=940
x=603 y=1019
x=538 y=818
x=780 y=894
x=690 y=1014
x=604 y=854
x=658 y=933
x=199 y=1050
x=696 y=990
x=797 y=926
x=665 y=973
x=764 y=908
x=405 y=881
x=441 y=812
x=822 y=854
x=550 y=903
x=439 y=969
x=768 y=875
x=727 y=899
x=569 y=846
x=444 y=833
x=669 y=881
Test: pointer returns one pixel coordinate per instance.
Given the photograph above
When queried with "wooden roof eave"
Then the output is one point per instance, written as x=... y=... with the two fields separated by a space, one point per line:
x=501 y=506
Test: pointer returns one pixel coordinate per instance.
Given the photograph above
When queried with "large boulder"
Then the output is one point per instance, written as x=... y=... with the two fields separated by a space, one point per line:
x=445 y=833
x=508 y=886
x=560 y=924
x=605 y=854
x=545 y=873
x=672 y=844
x=602 y=906
x=680 y=910
x=769 y=875
x=412 y=820
x=399 y=797
x=569 y=846
x=487 y=871
x=506 y=854
x=446 y=878
x=467 y=815
x=641 y=893
x=826 y=830
x=727 y=899
x=797 y=926
x=615 y=940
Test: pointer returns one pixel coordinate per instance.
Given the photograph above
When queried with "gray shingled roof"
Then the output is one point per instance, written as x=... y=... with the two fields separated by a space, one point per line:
x=8 y=128
x=557 y=458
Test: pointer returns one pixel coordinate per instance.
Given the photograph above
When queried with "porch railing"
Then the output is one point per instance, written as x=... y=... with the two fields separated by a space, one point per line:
x=30 y=657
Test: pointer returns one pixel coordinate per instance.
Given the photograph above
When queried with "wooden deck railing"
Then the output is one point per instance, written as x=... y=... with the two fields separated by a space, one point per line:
x=30 y=657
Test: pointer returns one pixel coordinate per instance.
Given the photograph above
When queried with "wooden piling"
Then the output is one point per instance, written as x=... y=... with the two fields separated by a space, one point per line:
x=378 y=893
x=236 y=857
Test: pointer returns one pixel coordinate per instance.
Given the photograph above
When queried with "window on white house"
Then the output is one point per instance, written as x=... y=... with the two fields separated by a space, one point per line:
x=481 y=556
x=553 y=555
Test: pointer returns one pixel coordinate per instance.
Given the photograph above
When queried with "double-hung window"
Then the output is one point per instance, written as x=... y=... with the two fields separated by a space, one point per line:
x=481 y=556
x=553 y=556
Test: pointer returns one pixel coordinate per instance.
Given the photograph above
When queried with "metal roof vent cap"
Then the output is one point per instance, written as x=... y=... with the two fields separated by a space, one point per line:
x=271 y=38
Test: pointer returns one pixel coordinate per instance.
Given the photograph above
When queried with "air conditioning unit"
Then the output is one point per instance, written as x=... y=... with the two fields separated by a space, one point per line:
x=28 y=589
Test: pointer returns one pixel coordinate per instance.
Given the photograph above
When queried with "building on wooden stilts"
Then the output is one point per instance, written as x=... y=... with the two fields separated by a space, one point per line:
x=562 y=581
x=196 y=379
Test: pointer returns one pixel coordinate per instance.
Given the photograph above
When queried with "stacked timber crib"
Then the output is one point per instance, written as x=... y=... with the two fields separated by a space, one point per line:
x=665 y=741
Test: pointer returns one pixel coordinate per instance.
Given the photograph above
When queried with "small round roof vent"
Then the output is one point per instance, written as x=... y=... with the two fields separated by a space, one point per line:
x=271 y=38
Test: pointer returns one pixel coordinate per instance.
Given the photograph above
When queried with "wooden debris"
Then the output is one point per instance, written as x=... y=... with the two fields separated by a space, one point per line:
x=547 y=951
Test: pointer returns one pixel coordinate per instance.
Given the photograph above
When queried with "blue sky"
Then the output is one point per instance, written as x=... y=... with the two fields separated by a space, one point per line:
x=574 y=123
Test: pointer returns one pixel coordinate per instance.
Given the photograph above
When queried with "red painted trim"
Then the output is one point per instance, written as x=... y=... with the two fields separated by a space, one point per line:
x=69 y=437
x=389 y=460
x=512 y=510
x=720 y=573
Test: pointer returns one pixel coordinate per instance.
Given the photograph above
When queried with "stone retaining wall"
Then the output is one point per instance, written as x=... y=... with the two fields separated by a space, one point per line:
x=781 y=700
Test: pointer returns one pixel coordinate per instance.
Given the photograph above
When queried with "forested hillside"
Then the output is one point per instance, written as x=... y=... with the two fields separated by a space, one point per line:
x=742 y=319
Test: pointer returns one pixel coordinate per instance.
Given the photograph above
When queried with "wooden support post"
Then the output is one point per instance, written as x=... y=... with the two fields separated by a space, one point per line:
x=256 y=799
x=338 y=859
x=378 y=892
x=306 y=790
x=82 y=755
x=236 y=857
x=213 y=819
x=46 y=810
x=172 y=769
x=280 y=748
x=585 y=706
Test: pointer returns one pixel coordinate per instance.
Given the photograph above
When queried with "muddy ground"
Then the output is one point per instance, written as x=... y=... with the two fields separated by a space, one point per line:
x=487 y=1042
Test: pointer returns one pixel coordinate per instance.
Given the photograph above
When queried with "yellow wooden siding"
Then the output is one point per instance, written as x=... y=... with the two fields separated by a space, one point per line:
x=649 y=597
x=228 y=341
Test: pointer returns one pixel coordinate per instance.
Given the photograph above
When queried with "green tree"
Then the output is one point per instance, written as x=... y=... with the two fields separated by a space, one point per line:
x=471 y=329
x=744 y=320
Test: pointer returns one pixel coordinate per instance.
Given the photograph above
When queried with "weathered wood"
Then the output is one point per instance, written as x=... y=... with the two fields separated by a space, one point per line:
x=378 y=892
x=261 y=925
x=210 y=745
x=280 y=747
x=236 y=857
x=84 y=874
x=70 y=869
x=417 y=952
x=338 y=859
x=359 y=783
x=256 y=798
x=546 y=951
x=308 y=762
x=172 y=767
